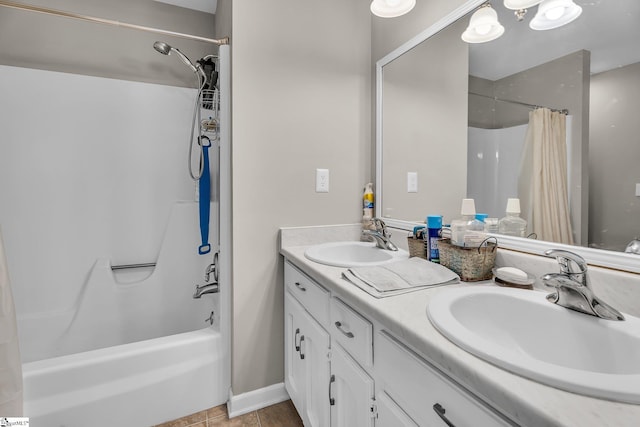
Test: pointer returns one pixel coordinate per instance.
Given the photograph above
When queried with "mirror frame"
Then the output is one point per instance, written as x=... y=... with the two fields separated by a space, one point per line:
x=597 y=257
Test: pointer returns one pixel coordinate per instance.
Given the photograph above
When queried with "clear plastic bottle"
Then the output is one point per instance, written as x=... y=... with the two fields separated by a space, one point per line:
x=467 y=231
x=512 y=224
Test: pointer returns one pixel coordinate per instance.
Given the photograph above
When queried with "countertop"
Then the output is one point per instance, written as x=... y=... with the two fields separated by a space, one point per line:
x=527 y=402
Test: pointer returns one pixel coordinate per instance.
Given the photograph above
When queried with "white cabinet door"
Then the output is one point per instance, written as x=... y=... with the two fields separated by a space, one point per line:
x=306 y=364
x=314 y=349
x=390 y=414
x=351 y=391
x=294 y=379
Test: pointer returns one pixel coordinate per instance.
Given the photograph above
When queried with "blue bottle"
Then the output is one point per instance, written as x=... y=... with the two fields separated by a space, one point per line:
x=434 y=227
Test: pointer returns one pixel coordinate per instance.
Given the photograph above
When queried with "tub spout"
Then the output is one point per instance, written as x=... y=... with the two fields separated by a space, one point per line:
x=210 y=288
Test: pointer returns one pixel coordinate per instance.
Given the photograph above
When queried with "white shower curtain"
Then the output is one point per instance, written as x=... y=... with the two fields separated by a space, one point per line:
x=10 y=364
x=542 y=185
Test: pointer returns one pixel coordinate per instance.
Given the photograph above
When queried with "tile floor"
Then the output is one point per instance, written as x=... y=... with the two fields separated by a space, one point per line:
x=279 y=415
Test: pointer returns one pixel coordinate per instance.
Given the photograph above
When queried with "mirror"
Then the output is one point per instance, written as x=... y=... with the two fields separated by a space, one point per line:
x=436 y=89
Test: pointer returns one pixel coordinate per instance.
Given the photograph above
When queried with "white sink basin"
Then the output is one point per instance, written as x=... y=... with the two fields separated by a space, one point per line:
x=522 y=332
x=352 y=254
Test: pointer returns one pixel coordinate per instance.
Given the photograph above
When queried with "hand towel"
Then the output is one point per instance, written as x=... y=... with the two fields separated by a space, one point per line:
x=400 y=277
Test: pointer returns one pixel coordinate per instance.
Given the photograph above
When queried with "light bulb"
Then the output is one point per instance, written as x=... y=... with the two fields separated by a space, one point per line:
x=554 y=13
x=483 y=29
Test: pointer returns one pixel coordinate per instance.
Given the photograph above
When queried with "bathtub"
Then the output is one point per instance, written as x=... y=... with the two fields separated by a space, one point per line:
x=138 y=384
x=135 y=349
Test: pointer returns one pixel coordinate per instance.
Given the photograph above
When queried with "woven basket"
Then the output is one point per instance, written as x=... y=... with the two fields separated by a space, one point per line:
x=471 y=264
x=417 y=247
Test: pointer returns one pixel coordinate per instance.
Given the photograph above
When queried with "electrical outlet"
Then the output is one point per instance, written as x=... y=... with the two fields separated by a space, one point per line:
x=322 y=180
x=412 y=182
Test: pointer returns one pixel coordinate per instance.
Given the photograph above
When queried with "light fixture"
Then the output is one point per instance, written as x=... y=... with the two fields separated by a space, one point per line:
x=520 y=4
x=520 y=7
x=483 y=26
x=391 y=8
x=554 y=13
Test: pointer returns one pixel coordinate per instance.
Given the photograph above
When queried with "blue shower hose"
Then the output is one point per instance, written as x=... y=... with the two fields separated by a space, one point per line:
x=204 y=187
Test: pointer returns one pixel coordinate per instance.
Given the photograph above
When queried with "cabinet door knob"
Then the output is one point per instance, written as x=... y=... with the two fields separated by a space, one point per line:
x=344 y=332
x=295 y=339
x=441 y=411
x=299 y=286
x=301 y=353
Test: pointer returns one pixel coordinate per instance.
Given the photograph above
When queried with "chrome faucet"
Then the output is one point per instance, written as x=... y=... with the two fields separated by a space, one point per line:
x=573 y=290
x=381 y=235
x=210 y=288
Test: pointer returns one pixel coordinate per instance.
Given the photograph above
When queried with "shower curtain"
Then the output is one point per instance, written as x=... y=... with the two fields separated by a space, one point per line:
x=10 y=364
x=542 y=185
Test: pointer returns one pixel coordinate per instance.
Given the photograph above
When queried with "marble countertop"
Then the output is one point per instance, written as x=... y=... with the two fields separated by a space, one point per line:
x=527 y=402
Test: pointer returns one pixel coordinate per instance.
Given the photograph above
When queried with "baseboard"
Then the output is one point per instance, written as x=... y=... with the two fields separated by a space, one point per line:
x=256 y=399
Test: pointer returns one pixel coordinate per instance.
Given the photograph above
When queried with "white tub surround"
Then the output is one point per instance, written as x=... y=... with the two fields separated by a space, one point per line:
x=404 y=318
x=137 y=348
x=11 y=378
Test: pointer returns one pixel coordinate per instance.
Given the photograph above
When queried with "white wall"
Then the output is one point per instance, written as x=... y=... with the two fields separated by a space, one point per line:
x=301 y=101
x=89 y=168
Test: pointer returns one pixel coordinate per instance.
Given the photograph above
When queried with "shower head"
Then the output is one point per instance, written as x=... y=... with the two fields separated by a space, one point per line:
x=162 y=47
x=165 y=49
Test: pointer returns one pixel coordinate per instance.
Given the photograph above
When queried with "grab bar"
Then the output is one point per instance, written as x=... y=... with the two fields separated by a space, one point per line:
x=126 y=266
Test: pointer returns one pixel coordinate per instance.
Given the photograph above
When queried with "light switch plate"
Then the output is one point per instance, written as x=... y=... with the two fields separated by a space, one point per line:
x=322 y=180
x=638 y=190
x=412 y=182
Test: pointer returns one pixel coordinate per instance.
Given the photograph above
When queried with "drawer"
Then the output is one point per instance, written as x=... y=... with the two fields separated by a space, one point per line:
x=422 y=392
x=352 y=331
x=313 y=297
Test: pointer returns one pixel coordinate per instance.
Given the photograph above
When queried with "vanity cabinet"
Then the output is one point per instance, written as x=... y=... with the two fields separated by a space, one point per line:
x=337 y=376
x=326 y=384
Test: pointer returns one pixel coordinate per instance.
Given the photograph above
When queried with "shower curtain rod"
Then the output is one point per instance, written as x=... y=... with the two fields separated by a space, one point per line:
x=54 y=12
x=495 y=98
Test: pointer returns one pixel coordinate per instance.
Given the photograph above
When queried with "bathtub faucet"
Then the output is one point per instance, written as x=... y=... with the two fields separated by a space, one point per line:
x=209 y=288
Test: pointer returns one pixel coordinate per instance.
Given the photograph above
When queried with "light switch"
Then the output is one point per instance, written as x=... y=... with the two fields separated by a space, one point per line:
x=638 y=190
x=322 y=180
x=412 y=182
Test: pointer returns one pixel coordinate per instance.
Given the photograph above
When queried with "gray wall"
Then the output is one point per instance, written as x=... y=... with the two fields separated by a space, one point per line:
x=34 y=40
x=425 y=128
x=301 y=101
x=614 y=210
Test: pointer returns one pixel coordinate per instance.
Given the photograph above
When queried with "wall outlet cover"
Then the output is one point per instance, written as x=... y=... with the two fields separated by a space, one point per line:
x=322 y=180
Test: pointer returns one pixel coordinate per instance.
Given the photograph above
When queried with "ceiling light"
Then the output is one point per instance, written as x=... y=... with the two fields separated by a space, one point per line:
x=483 y=26
x=391 y=8
x=520 y=4
x=555 y=13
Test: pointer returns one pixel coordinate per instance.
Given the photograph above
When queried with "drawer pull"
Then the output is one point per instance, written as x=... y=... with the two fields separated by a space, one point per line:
x=299 y=286
x=332 y=401
x=441 y=411
x=345 y=333
x=295 y=339
x=301 y=353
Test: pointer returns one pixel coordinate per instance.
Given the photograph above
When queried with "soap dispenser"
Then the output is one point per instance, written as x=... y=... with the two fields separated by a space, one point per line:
x=512 y=224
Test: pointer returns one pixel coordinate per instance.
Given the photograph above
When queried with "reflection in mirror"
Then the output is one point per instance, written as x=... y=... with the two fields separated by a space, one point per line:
x=473 y=146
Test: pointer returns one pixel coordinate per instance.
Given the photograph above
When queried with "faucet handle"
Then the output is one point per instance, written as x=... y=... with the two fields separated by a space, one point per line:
x=381 y=227
x=565 y=258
